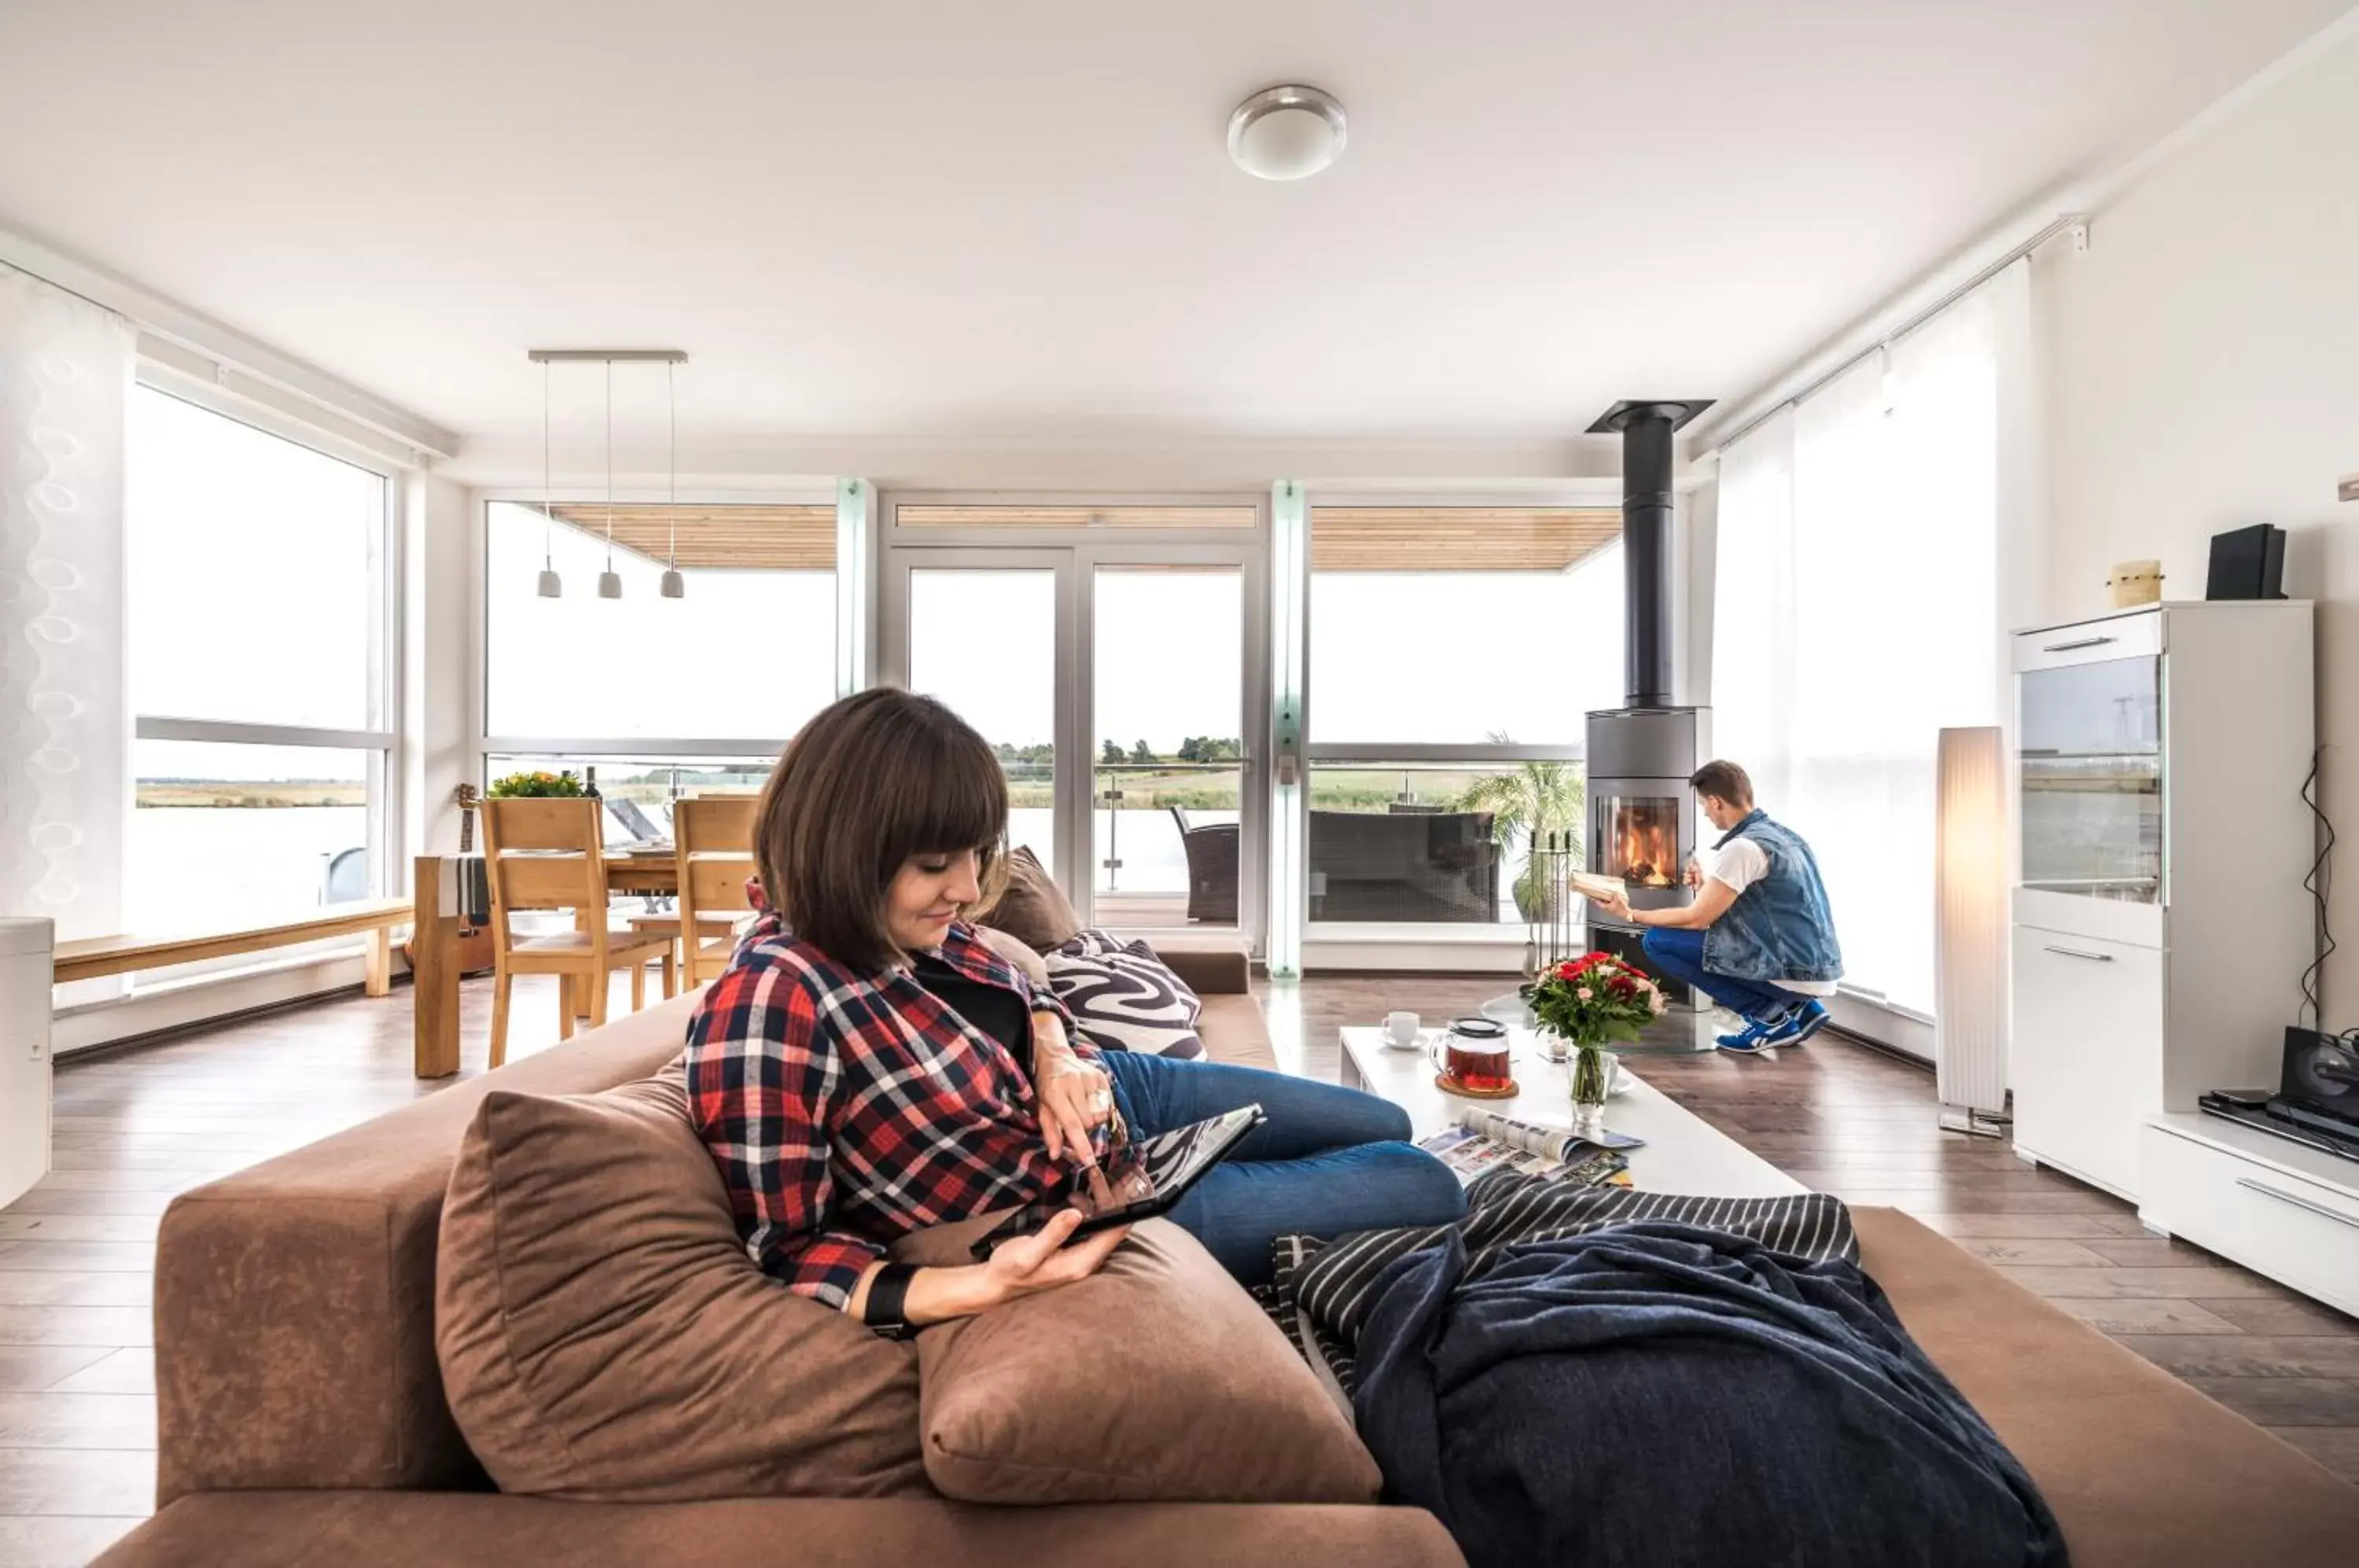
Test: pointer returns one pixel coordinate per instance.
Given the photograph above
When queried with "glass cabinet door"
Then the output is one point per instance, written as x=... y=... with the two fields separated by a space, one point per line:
x=2091 y=779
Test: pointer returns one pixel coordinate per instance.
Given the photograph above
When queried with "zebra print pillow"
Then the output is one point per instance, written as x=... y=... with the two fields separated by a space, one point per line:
x=1122 y=998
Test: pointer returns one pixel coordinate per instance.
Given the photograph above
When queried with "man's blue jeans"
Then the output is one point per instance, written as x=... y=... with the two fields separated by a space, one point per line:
x=1680 y=955
x=1327 y=1162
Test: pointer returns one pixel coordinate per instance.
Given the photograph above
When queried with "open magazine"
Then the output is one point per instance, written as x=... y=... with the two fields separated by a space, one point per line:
x=1483 y=1141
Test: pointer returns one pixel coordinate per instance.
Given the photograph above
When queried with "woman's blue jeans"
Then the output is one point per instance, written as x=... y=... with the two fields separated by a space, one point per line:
x=1680 y=955
x=1327 y=1162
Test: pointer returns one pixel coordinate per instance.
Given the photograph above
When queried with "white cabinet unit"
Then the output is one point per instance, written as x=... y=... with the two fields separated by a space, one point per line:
x=25 y=950
x=2162 y=927
x=2088 y=1032
x=2267 y=1202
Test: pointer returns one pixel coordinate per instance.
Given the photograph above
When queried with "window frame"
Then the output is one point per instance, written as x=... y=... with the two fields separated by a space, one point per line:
x=380 y=740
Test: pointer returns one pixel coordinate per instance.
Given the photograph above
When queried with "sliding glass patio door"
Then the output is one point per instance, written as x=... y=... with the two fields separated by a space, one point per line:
x=1115 y=680
x=984 y=632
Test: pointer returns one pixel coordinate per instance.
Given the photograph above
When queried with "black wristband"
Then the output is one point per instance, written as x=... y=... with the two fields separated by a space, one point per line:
x=887 y=1292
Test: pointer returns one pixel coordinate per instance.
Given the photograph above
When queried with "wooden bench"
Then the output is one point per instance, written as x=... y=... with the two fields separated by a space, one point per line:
x=92 y=957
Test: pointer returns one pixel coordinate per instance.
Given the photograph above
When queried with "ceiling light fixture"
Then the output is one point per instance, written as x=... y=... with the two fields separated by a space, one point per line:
x=610 y=582
x=1287 y=133
x=552 y=586
x=674 y=585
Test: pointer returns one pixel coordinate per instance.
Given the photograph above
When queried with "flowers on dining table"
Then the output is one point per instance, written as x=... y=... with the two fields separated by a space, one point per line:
x=541 y=785
x=1594 y=998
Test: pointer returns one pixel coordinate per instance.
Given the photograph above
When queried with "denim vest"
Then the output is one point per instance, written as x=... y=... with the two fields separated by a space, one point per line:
x=1779 y=928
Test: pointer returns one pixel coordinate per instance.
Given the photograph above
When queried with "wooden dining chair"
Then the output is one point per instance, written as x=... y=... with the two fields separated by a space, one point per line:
x=712 y=844
x=730 y=820
x=551 y=854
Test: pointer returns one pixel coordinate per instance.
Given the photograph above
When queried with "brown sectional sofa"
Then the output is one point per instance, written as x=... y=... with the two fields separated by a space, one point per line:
x=302 y=1419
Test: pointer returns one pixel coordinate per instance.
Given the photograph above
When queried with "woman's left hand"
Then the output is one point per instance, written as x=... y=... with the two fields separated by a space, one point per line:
x=1074 y=1095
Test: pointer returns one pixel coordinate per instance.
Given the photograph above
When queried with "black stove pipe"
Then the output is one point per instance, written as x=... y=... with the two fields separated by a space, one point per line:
x=1647 y=428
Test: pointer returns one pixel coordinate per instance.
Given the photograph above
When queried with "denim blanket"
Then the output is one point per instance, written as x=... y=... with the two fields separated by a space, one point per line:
x=1657 y=1393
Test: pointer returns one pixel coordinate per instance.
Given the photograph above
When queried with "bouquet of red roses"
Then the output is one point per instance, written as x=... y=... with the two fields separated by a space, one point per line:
x=1594 y=998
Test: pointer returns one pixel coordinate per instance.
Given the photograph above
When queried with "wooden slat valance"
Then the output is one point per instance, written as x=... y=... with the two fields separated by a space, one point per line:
x=744 y=537
x=1458 y=539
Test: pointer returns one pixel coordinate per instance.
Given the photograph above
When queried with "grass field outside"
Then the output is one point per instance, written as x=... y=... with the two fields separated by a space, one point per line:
x=269 y=794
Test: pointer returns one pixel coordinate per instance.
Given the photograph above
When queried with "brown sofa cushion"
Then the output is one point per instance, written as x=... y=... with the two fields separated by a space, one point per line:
x=1032 y=907
x=603 y=1336
x=1018 y=955
x=2138 y=1468
x=1156 y=1379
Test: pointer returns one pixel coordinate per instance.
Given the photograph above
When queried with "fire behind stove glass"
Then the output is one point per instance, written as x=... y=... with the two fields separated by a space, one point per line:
x=1639 y=839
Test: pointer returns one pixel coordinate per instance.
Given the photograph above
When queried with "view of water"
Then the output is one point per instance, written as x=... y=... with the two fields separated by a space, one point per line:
x=216 y=868
x=259 y=862
x=1147 y=842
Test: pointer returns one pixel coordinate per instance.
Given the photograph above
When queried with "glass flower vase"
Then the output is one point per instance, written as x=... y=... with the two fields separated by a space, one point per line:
x=1592 y=1079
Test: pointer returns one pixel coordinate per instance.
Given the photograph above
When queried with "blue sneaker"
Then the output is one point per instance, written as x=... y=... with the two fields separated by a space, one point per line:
x=1800 y=1024
x=1756 y=1036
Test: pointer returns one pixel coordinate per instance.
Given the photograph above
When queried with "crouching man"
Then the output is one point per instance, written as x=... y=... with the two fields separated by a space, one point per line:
x=1758 y=938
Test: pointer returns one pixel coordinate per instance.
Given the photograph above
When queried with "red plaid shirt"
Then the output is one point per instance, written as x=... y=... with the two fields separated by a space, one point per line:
x=846 y=1110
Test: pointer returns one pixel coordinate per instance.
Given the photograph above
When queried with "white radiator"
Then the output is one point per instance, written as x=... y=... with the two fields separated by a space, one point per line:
x=1970 y=927
x=25 y=959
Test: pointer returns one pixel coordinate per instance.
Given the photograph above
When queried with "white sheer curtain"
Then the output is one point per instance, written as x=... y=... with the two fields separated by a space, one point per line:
x=65 y=374
x=1856 y=611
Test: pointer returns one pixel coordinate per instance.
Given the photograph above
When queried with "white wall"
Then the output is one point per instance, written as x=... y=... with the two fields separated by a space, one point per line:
x=2201 y=363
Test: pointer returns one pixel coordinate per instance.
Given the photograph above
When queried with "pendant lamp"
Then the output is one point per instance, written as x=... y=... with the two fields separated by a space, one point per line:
x=674 y=585
x=610 y=582
x=551 y=586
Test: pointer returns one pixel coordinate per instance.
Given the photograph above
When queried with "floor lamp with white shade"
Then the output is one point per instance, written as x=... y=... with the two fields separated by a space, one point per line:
x=1970 y=935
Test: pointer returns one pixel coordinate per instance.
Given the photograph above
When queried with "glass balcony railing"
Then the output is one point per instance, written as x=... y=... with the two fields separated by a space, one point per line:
x=1166 y=836
x=1439 y=843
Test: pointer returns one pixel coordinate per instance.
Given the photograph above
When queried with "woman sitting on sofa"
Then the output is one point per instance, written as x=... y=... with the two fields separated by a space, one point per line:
x=866 y=1066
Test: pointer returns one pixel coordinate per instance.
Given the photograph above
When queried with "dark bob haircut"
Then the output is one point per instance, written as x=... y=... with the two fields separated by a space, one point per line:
x=870 y=781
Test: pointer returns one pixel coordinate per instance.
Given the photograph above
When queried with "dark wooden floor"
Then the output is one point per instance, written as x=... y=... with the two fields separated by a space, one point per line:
x=77 y=1411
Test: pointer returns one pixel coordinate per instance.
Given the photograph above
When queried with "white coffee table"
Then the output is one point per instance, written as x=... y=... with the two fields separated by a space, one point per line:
x=1684 y=1153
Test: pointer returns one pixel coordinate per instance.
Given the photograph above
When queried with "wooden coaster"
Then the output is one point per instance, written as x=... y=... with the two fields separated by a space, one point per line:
x=1449 y=1087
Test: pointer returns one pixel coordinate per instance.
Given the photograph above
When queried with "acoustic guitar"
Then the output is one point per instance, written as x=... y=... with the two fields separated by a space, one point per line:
x=474 y=954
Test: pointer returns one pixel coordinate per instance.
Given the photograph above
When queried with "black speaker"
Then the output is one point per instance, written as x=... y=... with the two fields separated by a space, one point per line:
x=2247 y=563
x=2321 y=1071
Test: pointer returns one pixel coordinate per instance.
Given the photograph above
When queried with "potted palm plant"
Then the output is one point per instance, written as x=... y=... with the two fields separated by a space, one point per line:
x=1535 y=800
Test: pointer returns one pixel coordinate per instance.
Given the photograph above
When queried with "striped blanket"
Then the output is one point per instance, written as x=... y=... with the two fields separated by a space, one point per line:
x=1321 y=1291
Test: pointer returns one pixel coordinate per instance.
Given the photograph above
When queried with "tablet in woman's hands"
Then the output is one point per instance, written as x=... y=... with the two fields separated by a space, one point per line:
x=1139 y=1180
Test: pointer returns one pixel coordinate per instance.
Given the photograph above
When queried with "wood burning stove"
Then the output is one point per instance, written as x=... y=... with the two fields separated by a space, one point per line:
x=1641 y=814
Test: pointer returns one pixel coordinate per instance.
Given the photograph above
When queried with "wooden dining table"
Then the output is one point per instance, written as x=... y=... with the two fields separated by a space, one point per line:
x=434 y=949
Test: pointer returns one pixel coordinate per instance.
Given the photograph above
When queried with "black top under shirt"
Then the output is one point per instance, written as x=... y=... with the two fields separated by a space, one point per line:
x=1000 y=1014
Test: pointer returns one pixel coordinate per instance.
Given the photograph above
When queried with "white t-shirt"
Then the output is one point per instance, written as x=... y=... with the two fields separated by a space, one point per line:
x=1742 y=863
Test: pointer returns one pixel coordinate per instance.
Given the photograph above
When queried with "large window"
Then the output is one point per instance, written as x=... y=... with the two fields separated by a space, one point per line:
x=659 y=697
x=747 y=650
x=1833 y=676
x=259 y=607
x=1454 y=651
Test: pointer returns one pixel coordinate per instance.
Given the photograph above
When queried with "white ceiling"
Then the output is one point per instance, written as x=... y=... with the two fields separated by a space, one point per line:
x=945 y=220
